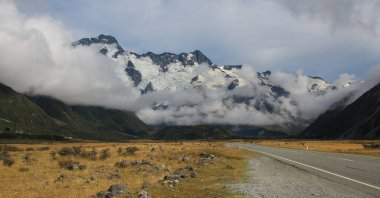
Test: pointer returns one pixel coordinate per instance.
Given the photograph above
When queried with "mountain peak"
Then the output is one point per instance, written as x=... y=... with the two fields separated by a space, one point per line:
x=104 y=39
x=201 y=58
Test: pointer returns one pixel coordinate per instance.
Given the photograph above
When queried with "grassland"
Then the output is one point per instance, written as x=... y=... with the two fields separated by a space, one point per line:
x=36 y=171
x=358 y=147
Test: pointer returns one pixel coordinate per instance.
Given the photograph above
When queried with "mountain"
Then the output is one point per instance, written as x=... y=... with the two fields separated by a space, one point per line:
x=247 y=131
x=91 y=118
x=175 y=72
x=195 y=73
x=40 y=115
x=193 y=133
x=359 y=120
x=18 y=111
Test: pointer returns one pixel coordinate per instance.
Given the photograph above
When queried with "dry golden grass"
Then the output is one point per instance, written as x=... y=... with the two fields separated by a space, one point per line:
x=39 y=179
x=344 y=146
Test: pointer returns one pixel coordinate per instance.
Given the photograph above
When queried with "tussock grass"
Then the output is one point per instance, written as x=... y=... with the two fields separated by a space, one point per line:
x=359 y=147
x=149 y=162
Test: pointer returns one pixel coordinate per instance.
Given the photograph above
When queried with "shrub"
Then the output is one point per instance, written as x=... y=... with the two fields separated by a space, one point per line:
x=77 y=150
x=8 y=162
x=7 y=148
x=45 y=148
x=105 y=153
x=132 y=150
x=28 y=158
x=67 y=163
x=65 y=151
x=53 y=155
x=91 y=155
x=24 y=169
x=371 y=146
x=29 y=149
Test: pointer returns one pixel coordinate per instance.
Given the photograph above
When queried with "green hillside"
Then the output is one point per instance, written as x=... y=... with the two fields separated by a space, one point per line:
x=48 y=116
x=91 y=118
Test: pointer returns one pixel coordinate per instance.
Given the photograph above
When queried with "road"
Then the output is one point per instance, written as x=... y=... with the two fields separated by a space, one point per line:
x=345 y=175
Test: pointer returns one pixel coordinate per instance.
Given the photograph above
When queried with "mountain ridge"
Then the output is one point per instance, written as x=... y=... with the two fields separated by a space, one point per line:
x=358 y=120
x=195 y=73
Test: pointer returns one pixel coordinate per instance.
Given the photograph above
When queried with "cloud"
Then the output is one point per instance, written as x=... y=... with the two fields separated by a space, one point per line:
x=36 y=57
x=324 y=38
x=338 y=14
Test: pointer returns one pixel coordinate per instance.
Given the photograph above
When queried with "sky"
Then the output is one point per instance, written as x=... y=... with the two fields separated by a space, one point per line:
x=323 y=38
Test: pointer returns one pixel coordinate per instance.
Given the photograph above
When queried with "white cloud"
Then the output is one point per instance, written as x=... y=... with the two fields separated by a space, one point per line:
x=36 y=56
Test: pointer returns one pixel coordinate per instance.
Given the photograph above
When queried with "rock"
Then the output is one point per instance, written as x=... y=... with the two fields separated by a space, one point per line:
x=82 y=167
x=144 y=194
x=190 y=168
x=60 y=178
x=230 y=167
x=183 y=159
x=145 y=185
x=194 y=174
x=145 y=162
x=174 y=177
x=73 y=167
x=103 y=194
x=205 y=155
x=122 y=164
x=118 y=190
x=206 y=158
x=92 y=177
x=136 y=163
x=114 y=176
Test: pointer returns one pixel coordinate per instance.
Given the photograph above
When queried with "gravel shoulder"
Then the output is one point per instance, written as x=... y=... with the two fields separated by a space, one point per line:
x=269 y=177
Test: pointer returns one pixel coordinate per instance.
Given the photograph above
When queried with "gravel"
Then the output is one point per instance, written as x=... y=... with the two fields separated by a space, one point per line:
x=272 y=178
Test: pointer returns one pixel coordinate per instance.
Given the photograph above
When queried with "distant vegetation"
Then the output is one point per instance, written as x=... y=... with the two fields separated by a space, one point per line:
x=193 y=133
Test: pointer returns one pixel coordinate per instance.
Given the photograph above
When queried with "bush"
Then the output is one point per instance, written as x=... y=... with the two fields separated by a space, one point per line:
x=67 y=163
x=132 y=150
x=127 y=151
x=371 y=146
x=91 y=155
x=24 y=169
x=28 y=158
x=105 y=153
x=45 y=148
x=77 y=150
x=65 y=151
x=53 y=155
x=29 y=149
x=7 y=148
x=8 y=162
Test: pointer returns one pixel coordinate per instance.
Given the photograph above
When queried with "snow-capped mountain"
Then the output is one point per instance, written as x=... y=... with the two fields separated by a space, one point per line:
x=233 y=86
x=175 y=72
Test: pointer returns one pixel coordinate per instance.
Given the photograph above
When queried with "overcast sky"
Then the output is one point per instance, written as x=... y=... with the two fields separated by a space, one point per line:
x=324 y=38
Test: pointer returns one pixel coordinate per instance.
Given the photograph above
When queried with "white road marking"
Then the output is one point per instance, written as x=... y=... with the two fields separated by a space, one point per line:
x=345 y=159
x=325 y=171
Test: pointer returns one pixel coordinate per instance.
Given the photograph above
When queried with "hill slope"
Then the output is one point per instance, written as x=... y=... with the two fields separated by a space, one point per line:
x=359 y=120
x=48 y=116
x=17 y=111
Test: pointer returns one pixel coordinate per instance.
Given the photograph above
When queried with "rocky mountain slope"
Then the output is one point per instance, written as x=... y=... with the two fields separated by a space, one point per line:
x=359 y=120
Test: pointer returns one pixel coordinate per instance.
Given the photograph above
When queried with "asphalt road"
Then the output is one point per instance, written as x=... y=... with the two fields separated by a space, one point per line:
x=350 y=175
